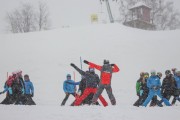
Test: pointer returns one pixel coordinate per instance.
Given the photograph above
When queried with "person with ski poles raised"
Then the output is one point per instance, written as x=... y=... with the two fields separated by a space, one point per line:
x=91 y=86
x=105 y=80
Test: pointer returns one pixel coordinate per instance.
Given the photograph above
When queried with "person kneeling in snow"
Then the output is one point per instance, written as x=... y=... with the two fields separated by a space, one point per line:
x=91 y=86
x=29 y=91
x=69 y=88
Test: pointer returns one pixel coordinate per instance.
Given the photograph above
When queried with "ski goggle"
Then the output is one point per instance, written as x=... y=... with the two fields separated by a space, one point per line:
x=146 y=76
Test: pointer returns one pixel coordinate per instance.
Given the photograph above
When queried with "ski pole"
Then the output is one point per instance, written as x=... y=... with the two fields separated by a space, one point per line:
x=81 y=62
x=74 y=80
x=7 y=75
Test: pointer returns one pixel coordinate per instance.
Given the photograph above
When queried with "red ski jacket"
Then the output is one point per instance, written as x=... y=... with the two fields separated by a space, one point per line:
x=105 y=76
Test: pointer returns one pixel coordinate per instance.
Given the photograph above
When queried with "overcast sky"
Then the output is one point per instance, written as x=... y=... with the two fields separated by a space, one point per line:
x=64 y=12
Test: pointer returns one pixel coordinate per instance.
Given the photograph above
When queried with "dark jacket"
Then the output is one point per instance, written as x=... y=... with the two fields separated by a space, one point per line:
x=168 y=84
x=18 y=86
x=82 y=85
x=92 y=80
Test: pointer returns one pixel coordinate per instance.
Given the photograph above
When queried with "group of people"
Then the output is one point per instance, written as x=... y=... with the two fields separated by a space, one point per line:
x=149 y=87
x=18 y=91
x=91 y=86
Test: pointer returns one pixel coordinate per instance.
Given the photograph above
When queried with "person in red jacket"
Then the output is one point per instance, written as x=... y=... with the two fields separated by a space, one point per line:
x=105 y=79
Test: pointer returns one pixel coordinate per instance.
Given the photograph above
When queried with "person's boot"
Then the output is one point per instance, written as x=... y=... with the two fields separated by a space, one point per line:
x=159 y=103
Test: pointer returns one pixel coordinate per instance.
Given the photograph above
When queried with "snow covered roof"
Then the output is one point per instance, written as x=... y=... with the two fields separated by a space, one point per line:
x=139 y=4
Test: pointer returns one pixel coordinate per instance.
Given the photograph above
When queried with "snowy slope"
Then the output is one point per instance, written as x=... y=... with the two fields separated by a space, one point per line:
x=46 y=57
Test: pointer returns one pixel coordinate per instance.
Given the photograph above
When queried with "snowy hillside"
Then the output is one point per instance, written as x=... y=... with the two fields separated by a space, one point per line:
x=46 y=57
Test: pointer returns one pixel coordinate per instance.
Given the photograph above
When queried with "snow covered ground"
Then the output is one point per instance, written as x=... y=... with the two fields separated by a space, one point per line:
x=46 y=57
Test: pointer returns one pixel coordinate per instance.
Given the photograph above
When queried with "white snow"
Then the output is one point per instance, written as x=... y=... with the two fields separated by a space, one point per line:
x=46 y=57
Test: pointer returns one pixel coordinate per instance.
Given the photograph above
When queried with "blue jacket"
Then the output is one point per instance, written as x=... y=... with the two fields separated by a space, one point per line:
x=177 y=79
x=29 y=88
x=153 y=81
x=7 y=89
x=69 y=86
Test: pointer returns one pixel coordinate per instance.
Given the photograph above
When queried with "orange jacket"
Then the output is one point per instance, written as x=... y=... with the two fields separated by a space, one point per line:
x=105 y=76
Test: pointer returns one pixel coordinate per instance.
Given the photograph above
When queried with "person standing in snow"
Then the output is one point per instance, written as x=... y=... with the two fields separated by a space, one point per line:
x=154 y=85
x=105 y=80
x=168 y=85
x=18 y=87
x=139 y=84
x=29 y=91
x=8 y=90
x=154 y=100
x=91 y=86
x=177 y=90
x=174 y=70
x=82 y=87
x=144 y=89
x=69 y=88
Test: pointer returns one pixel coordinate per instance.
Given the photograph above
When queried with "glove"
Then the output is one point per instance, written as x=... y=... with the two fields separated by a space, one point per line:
x=23 y=91
x=32 y=95
x=85 y=61
x=141 y=92
x=112 y=64
x=79 y=92
x=155 y=88
x=72 y=64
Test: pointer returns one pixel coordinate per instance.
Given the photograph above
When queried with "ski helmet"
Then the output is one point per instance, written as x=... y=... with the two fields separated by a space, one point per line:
x=26 y=76
x=68 y=75
x=173 y=69
x=146 y=75
x=159 y=74
x=167 y=72
x=91 y=69
x=178 y=73
x=142 y=74
x=153 y=73
x=106 y=61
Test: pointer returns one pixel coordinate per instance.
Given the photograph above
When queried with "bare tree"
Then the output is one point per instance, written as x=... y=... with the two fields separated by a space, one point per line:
x=26 y=19
x=43 y=17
